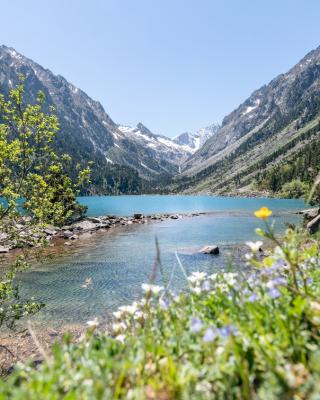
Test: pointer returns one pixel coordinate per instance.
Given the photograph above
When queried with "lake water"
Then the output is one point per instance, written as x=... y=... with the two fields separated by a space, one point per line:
x=119 y=260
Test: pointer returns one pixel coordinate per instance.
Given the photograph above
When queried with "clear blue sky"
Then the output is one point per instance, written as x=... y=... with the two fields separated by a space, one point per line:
x=175 y=65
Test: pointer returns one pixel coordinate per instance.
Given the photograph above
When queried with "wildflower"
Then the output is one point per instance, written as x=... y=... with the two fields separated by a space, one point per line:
x=163 y=303
x=196 y=290
x=274 y=293
x=279 y=281
x=131 y=309
x=196 y=325
x=118 y=314
x=139 y=316
x=154 y=289
x=230 y=278
x=219 y=351
x=255 y=246
x=197 y=276
x=278 y=265
x=209 y=335
x=214 y=276
x=252 y=298
x=206 y=286
x=93 y=323
x=118 y=327
x=120 y=338
x=263 y=213
x=228 y=330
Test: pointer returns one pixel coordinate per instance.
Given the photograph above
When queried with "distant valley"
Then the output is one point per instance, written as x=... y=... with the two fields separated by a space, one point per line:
x=271 y=139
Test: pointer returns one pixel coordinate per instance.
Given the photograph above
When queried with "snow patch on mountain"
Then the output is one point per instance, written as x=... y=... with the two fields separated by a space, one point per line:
x=194 y=141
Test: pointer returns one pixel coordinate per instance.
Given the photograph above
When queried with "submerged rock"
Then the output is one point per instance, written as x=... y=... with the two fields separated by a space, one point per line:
x=213 y=249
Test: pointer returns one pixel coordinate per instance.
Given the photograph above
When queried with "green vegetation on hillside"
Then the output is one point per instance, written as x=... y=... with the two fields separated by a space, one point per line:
x=293 y=176
x=231 y=335
x=237 y=170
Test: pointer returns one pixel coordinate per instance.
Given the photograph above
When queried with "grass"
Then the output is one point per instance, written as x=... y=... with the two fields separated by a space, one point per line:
x=232 y=335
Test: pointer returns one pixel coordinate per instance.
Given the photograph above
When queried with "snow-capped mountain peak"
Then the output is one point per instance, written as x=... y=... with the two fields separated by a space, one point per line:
x=193 y=141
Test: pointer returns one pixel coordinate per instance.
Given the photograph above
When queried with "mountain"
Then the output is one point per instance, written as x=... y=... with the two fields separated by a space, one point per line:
x=86 y=130
x=272 y=125
x=124 y=158
x=162 y=152
x=194 y=141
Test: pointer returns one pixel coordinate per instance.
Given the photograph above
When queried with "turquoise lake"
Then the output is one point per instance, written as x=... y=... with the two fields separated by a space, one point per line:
x=119 y=261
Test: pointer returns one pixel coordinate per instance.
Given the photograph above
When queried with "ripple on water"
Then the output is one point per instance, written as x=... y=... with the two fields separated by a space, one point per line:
x=119 y=260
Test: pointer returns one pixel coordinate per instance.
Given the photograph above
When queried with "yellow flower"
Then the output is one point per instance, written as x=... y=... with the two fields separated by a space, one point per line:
x=263 y=213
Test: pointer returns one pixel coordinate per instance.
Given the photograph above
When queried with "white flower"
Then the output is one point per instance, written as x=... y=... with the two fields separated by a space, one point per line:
x=93 y=323
x=139 y=315
x=254 y=246
x=223 y=287
x=230 y=278
x=196 y=290
x=118 y=327
x=131 y=309
x=219 y=351
x=214 y=276
x=154 y=289
x=120 y=338
x=248 y=256
x=197 y=276
x=118 y=314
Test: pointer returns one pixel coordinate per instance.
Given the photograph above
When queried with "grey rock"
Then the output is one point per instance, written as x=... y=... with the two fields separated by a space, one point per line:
x=67 y=234
x=213 y=249
x=314 y=225
x=49 y=232
x=95 y=220
x=74 y=237
x=310 y=213
x=86 y=226
x=137 y=216
x=4 y=249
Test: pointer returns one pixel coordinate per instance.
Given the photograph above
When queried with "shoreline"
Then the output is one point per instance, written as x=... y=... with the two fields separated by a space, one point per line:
x=88 y=225
x=69 y=234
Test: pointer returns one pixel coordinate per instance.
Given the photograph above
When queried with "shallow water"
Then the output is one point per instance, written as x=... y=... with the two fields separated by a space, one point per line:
x=119 y=260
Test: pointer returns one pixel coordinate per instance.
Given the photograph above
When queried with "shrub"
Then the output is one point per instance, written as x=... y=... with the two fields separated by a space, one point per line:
x=295 y=189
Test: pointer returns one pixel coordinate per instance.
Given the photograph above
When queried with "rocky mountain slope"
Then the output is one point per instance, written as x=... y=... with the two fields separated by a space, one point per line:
x=273 y=123
x=88 y=133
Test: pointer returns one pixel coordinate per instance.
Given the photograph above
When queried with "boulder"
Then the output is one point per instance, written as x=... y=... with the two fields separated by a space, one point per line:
x=3 y=236
x=67 y=234
x=86 y=226
x=4 y=249
x=49 y=232
x=74 y=237
x=310 y=213
x=174 y=217
x=314 y=225
x=95 y=220
x=137 y=216
x=213 y=249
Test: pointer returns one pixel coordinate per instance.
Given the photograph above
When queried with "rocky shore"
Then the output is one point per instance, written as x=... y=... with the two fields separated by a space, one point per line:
x=36 y=236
